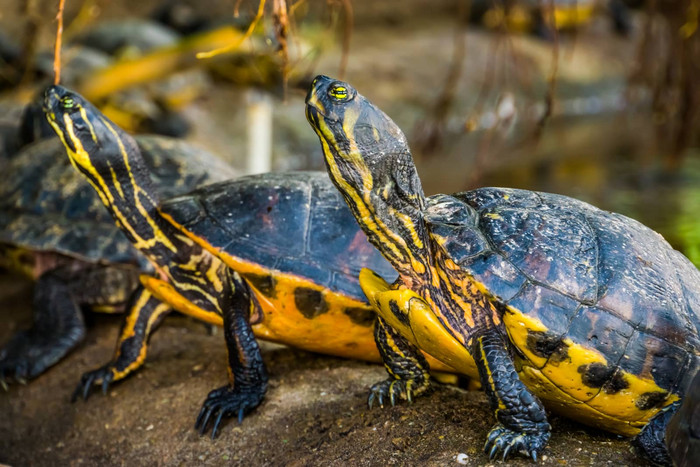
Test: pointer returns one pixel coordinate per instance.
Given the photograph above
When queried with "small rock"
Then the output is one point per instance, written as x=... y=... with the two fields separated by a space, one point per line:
x=462 y=458
x=149 y=427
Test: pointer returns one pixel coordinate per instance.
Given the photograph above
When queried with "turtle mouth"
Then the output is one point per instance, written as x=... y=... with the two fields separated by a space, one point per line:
x=313 y=116
x=52 y=98
x=315 y=108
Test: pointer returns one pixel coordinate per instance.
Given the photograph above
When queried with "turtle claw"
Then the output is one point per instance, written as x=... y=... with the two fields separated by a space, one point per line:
x=24 y=358
x=30 y=353
x=502 y=439
x=393 y=390
x=104 y=376
x=225 y=402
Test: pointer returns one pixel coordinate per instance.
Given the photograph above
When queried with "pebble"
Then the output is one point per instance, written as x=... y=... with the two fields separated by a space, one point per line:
x=462 y=458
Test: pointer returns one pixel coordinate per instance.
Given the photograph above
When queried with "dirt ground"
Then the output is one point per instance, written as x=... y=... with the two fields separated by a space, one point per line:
x=315 y=412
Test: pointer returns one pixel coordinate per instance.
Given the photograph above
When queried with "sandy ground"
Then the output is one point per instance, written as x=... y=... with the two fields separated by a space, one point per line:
x=314 y=414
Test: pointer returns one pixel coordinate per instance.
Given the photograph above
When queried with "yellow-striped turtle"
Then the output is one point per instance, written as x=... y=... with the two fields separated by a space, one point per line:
x=546 y=296
x=286 y=254
x=54 y=230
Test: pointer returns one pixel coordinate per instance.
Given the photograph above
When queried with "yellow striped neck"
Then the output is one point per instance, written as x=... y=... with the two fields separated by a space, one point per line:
x=111 y=161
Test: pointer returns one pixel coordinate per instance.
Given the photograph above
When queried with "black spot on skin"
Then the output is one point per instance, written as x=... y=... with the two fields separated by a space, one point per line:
x=649 y=400
x=398 y=313
x=616 y=384
x=265 y=283
x=595 y=375
x=310 y=302
x=547 y=345
x=362 y=316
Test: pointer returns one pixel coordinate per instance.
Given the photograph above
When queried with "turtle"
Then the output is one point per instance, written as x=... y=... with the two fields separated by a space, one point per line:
x=543 y=297
x=275 y=256
x=683 y=432
x=153 y=107
x=54 y=229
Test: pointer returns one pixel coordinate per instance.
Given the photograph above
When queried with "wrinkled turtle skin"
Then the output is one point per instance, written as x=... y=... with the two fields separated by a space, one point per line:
x=543 y=297
x=683 y=432
x=54 y=229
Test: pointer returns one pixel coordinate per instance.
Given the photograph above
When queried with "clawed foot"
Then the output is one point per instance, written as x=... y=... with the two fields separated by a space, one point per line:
x=226 y=402
x=13 y=368
x=103 y=376
x=25 y=357
x=392 y=389
x=505 y=441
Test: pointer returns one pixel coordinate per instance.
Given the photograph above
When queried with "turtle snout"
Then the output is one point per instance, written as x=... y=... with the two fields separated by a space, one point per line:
x=51 y=99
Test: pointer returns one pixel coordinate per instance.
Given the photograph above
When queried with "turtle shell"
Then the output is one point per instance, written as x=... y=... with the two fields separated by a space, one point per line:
x=604 y=314
x=46 y=205
x=292 y=223
x=10 y=122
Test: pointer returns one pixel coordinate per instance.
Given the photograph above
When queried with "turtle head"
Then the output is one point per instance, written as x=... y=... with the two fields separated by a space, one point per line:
x=368 y=159
x=358 y=139
x=92 y=142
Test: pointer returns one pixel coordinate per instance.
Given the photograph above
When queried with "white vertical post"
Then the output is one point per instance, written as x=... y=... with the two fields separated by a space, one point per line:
x=259 y=131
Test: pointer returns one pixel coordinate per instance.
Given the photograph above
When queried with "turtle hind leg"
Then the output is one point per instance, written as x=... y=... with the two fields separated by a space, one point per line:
x=248 y=377
x=650 y=443
x=407 y=367
x=58 y=328
x=522 y=422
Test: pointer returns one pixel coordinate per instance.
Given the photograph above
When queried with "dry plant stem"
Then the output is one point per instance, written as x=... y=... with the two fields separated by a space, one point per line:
x=347 y=36
x=235 y=45
x=551 y=89
x=293 y=7
x=281 y=21
x=88 y=12
x=28 y=10
x=437 y=120
x=57 y=49
x=236 y=8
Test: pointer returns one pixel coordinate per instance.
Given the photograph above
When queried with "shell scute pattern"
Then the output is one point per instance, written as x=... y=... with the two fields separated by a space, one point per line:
x=291 y=222
x=581 y=288
x=553 y=308
x=46 y=205
x=551 y=250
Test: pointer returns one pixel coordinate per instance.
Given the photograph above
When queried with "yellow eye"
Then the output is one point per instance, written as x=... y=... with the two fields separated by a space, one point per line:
x=67 y=102
x=338 y=92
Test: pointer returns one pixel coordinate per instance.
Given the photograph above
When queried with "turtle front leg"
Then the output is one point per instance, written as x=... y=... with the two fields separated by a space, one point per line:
x=58 y=327
x=651 y=441
x=145 y=313
x=247 y=374
x=409 y=372
x=522 y=422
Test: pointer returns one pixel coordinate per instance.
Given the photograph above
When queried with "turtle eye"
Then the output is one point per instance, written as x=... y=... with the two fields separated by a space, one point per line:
x=339 y=92
x=67 y=103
